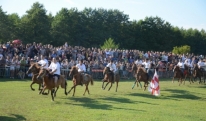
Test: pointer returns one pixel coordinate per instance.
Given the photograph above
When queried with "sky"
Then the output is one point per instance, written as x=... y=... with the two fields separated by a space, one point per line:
x=180 y=13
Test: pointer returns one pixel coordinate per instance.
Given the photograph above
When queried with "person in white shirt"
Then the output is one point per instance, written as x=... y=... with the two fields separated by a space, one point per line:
x=138 y=62
x=181 y=65
x=43 y=62
x=112 y=68
x=146 y=64
x=55 y=70
x=200 y=64
x=81 y=69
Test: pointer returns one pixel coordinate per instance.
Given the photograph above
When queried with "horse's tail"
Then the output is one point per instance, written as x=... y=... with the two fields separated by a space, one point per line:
x=92 y=82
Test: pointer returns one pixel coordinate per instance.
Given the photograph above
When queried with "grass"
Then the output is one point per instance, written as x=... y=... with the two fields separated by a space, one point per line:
x=176 y=103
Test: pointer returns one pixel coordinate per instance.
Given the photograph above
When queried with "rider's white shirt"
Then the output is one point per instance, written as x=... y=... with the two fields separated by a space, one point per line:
x=81 y=67
x=201 y=64
x=54 y=66
x=43 y=62
x=112 y=67
x=181 y=64
x=146 y=64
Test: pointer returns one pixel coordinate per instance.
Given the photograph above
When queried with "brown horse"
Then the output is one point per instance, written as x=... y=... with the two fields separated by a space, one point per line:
x=49 y=83
x=78 y=77
x=108 y=78
x=141 y=76
x=188 y=74
x=34 y=69
x=178 y=74
x=198 y=73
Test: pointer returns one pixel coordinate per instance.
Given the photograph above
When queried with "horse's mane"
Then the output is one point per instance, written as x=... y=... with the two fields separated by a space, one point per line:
x=141 y=69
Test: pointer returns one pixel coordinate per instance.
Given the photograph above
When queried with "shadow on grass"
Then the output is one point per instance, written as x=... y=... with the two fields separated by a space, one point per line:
x=124 y=100
x=89 y=103
x=182 y=94
x=8 y=79
x=13 y=117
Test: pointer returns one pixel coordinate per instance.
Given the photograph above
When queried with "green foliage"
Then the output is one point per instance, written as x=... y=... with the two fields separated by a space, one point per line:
x=181 y=50
x=90 y=27
x=109 y=44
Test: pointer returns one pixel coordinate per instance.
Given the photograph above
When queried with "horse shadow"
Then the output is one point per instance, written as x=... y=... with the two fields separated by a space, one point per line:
x=14 y=117
x=89 y=103
x=181 y=94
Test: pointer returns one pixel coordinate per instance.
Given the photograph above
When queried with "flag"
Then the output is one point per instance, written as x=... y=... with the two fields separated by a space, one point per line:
x=154 y=85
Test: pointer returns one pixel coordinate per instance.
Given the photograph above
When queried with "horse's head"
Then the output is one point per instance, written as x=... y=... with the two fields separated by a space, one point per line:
x=73 y=71
x=106 y=70
x=176 y=68
x=42 y=72
x=134 y=68
x=34 y=68
x=140 y=70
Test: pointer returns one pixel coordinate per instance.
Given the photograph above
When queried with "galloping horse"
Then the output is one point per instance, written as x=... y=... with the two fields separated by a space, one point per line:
x=187 y=73
x=178 y=74
x=108 y=78
x=198 y=73
x=49 y=82
x=77 y=78
x=34 y=69
x=142 y=75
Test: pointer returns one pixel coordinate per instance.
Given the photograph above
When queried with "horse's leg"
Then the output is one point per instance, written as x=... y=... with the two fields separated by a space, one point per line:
x=71 y=88
x=106 y=85
x=65 y=88
x=173 y=79
x=103 y=85
x=31 y=86
x=110 y=86
x=55 y=91
x=144 y=86
x=42 y=90
x=134 y=84
x=52 y=92
x=117 y=85
x=74 y=91
x=85 y=89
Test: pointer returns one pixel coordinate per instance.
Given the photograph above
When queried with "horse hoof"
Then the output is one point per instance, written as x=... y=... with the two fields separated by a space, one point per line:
x=33 y=89
x=65 y=93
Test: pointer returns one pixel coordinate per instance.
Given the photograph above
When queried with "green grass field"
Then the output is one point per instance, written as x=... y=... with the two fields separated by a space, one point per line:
x=176 y=103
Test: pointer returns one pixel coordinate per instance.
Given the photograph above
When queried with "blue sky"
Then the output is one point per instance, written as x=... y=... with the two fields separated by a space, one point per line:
x=181 y=13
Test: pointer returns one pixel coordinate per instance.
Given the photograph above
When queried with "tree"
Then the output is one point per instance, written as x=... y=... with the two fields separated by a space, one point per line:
x=109 y=44
x=181 y=50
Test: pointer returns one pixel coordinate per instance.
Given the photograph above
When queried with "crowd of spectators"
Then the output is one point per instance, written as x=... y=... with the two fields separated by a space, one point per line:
x=16 y=57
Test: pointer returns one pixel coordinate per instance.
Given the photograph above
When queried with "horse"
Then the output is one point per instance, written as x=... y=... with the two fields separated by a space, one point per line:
x=141 y=76
x=77 y=77
x=34 y=69
x=178 y=74
x=108 y=78
x=49 y=83
x=187 y=73
x=198 y=73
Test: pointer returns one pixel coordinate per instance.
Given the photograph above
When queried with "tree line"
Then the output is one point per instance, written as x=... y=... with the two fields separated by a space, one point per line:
x=91 y=27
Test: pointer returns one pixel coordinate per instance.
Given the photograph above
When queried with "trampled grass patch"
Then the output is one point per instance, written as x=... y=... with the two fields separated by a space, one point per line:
x=176 y=103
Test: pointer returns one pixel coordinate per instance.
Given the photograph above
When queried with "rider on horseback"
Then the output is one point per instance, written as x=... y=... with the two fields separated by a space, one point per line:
x=81 y=69
x=113 y=69
x=201 y=64
x=55 y=70
x=181 y=65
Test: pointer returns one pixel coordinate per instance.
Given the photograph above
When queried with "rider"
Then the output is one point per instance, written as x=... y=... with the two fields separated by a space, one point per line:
x=181 y=65
x=81 y=69
x=112 y=68
x=55 y=70
x=201 y=64
x=43 y=62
